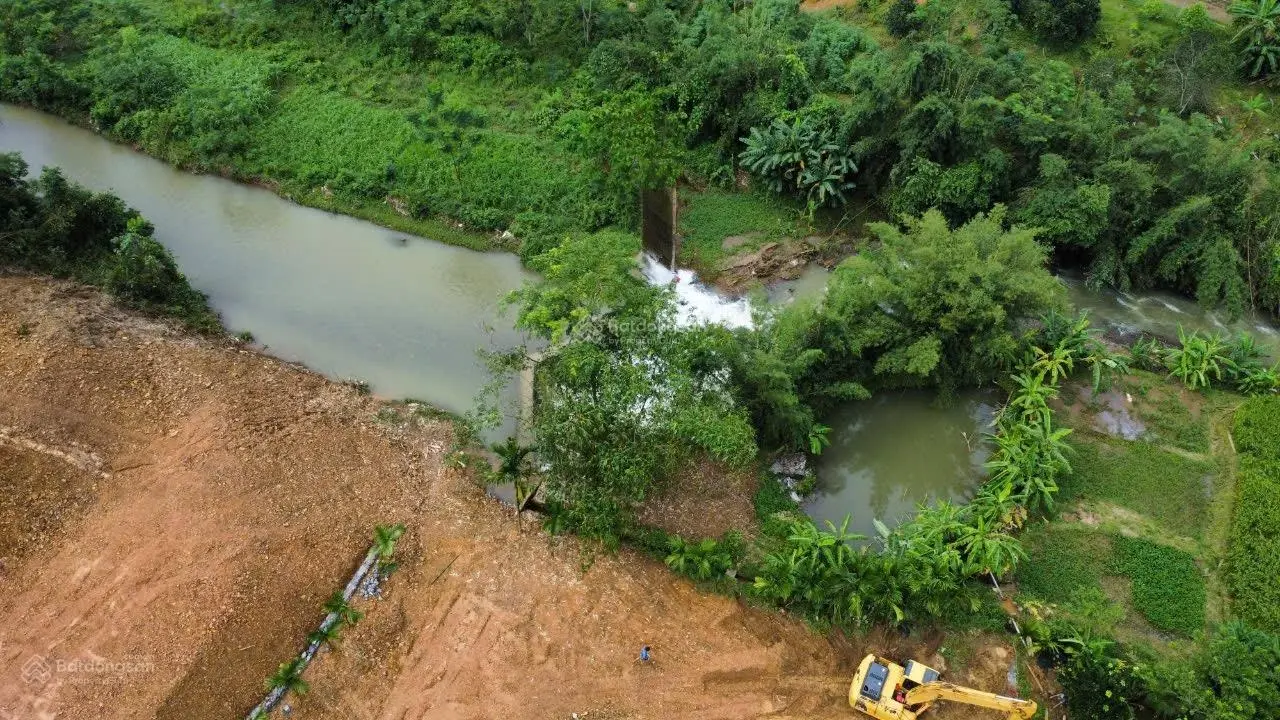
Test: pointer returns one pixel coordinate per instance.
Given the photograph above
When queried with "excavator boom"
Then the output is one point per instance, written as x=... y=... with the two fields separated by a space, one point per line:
x=937 y=690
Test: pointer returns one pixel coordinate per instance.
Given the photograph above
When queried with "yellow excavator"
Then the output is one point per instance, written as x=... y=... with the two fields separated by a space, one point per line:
x=885 y=690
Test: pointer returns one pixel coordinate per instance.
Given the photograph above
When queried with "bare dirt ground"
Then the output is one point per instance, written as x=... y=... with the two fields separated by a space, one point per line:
x=175 y=510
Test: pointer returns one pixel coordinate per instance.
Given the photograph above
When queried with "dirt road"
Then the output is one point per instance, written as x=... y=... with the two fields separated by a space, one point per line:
x=175 y=511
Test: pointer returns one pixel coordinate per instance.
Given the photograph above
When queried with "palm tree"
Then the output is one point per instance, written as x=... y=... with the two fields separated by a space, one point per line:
x=1259 y=23
x=384 y=540
x=327 y=636
x=289 y=677
x=512 y=469
x=339 y=606
x=988 y=549
x=1255 y=108
x=513 y=457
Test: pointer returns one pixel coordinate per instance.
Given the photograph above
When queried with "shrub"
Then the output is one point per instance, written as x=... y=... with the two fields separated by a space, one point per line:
x=932 y=306
x=1200 y=359
x=54 y=226
x=1097 y=684
x=1060 y=22
x=902 y=18
x=705 y=559
x=1232 y=677
x=1147 y=353
x=143 y=271
x=32 y=79
x=1254 y=556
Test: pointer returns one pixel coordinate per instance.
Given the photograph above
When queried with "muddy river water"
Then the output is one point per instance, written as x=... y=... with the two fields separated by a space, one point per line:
x=343 y=296
x=355 y=300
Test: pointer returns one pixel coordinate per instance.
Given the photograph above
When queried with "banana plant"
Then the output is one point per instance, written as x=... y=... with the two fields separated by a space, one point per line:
x=1259 y=35
x=1200 y=360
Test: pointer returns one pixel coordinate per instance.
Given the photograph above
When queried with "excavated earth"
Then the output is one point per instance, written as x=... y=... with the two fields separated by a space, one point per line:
x=175 y=510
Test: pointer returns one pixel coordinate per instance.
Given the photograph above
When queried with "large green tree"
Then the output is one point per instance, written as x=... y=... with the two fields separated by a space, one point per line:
x=932 y=306
x=624 y=393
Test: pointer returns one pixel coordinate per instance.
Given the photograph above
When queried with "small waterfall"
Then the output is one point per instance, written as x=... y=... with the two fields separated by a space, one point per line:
x=696 y=304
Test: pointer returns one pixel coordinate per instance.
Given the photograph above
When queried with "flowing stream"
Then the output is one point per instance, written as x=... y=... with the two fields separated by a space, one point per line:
x=352 y=299
x=346 y=297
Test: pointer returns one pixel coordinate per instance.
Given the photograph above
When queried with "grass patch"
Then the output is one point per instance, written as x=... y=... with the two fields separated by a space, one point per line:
x=1165 y=487
x=1074 y=567
x=710 y=216
x=1062 y=561
x=1168 y=588
x=1254 y=556
x=770 y=500
x=1170 y=421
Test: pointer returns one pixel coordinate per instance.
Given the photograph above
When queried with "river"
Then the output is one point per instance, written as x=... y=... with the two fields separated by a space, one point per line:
x=345 y=297
x=355 y=300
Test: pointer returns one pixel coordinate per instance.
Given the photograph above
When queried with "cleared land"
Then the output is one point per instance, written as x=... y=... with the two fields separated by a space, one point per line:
x=180 y=508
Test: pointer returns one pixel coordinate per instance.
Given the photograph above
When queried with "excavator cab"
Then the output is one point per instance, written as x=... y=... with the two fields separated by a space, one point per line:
x=886 y=690
x=881 y=686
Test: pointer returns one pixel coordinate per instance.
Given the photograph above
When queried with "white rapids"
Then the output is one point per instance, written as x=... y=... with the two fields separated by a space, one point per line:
x=696 y=304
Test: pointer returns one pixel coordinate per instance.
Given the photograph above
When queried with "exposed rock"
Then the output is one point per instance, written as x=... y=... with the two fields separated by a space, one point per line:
x=398 y=205
x=772 y=262
x=791 y=466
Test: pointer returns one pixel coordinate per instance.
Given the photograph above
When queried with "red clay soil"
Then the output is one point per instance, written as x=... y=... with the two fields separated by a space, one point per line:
x=176 y=510
x=820 y=5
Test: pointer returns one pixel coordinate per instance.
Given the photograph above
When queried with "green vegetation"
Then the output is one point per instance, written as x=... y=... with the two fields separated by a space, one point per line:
x=1255 y=546
x=1166 y=487
x=800 y=160
x=706 y=559
x=384 y=542
x=1170 y=421
x=712 y=215
x=624 y=395
x=1113 y=137
x=1168 y=588
x=1232 y=677
x=53 y=226
x=1060 y=23
x=288 y=677
x=1258 y=33
x=546 y=118
x=1064 y=561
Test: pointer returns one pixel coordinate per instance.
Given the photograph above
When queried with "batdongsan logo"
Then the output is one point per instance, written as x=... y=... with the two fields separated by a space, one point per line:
x=36 y=670
x=39 y=670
